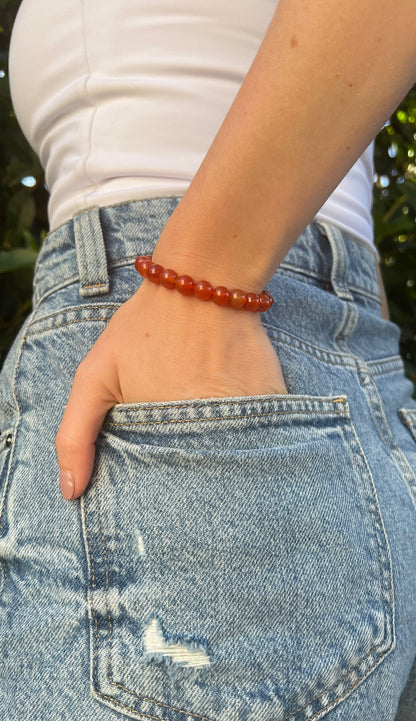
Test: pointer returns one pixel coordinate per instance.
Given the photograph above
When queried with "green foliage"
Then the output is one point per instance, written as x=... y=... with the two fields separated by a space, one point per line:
x=24 y=223
x=394 y=212
x=23 y=210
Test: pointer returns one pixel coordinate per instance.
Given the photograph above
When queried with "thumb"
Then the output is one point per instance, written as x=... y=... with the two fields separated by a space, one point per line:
x=88 y=404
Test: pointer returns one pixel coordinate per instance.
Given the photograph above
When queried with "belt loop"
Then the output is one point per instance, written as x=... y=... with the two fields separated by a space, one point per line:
x=339 y=267
x=91 y=256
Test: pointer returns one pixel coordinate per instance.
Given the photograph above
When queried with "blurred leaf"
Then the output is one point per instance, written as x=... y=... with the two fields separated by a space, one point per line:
x=14 y=259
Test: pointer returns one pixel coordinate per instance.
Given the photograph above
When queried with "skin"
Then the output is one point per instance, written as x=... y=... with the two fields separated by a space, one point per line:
x=350 y=64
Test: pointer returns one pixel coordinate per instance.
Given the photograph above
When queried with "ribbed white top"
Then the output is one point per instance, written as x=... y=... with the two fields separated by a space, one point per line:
x=121 y=99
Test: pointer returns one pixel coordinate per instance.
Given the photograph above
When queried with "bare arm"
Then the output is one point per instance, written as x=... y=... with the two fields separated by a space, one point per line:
x=327 y=76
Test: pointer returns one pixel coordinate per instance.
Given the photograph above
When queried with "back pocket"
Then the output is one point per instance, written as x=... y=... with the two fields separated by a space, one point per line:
x=238 y=564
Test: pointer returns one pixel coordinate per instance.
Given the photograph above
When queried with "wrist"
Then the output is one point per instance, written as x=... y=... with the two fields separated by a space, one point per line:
x=189 y=312
x=220 y=260
x=215 y=271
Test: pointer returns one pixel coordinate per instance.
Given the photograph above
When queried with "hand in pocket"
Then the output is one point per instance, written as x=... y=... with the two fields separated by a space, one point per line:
x=160 y=346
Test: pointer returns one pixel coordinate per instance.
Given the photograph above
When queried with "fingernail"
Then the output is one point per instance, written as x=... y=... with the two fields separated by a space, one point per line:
x=67 y=483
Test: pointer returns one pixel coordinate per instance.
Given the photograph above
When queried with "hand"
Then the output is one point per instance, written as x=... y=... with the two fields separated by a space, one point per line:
x=160 y=346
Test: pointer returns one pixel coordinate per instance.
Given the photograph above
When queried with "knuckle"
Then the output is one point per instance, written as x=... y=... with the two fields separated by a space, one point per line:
x=84 y=371
x=64 y=442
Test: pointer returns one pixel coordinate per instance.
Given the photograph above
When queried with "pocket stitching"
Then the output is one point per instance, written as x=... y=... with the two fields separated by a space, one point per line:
x=357 y=680
x=225 y=418
x=408 y=418
x=336 y=410
x=405 y=415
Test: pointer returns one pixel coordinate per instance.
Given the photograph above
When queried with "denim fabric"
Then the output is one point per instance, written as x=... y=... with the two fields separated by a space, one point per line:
x=233 y=559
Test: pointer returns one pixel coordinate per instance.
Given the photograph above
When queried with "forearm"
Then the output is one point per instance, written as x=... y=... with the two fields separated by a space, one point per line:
x=327 y=76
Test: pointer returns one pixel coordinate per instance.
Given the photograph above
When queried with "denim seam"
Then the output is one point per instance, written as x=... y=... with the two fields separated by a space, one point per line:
x=347 y=327
x=226 y=418
x=3 y=585
x=54 y=289
x=69 y=309
x=298 y=270
x=110 y=620
x=367 y=293
x=390 y=585
x=83 y=253
x=68 y=322
x=93 y=585
x=360 y=678
x=386 y=372
x=385 y=366
x=95 y=285
x=330 y=357
x=187 y=404
x=94 y=243
x=139 y=696
x=16 y=428
x=385 y=432
x=382 y=529
x=336 y=701
x=139 y=713
x=411 y=478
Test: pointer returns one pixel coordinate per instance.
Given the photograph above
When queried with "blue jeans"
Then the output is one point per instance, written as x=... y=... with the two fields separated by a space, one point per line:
x=233 y=559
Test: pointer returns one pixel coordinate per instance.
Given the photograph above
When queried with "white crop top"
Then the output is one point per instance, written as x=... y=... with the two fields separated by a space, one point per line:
x=121 y=99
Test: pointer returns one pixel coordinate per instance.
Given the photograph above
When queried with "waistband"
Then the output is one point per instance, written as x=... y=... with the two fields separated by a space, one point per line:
x=85 y=249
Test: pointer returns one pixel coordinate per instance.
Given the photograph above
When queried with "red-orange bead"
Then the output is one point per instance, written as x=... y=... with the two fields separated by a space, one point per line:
x=221 y=295
x=142 y=263
x=203 y=290
x=253 y=302
x=185 y=285
x=168 y=278
x=266 y=301
x=238 y=298
x=153 y=272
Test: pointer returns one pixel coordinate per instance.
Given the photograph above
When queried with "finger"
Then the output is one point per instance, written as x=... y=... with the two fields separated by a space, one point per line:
x=88 y=404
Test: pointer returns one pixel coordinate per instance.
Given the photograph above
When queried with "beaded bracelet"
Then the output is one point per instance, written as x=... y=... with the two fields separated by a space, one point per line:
x=203 y=290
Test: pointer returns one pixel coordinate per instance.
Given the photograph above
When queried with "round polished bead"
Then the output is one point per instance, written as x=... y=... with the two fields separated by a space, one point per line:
x=253 y=302
x=203 y=290
x=142 y=264
x=238 y=298
x=221 y=295
x=266 y=301
x=185 y=285
x=153 y=272
x=168 y=278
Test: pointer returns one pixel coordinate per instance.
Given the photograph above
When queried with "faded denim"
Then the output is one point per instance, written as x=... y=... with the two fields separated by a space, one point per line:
x=233 y=559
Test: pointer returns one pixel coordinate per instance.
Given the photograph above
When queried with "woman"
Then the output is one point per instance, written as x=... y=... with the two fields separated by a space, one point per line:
x=244 y=543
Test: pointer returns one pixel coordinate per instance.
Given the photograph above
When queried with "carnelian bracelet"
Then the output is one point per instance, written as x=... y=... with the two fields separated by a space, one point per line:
x=203 y=290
